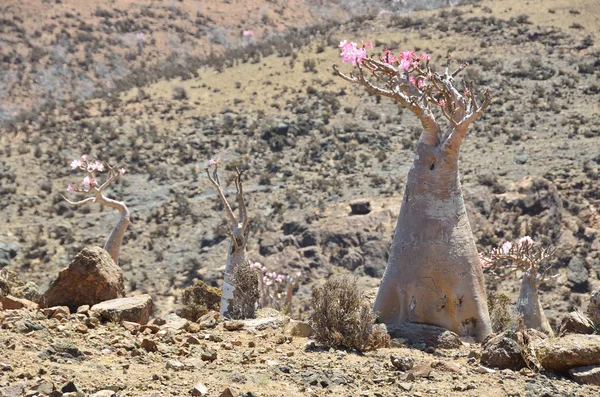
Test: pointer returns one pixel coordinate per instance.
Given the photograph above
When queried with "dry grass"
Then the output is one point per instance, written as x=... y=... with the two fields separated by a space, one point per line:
x=343 y=318
x=198 y=299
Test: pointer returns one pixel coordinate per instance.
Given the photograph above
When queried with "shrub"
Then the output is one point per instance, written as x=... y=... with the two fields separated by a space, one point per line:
x=343 y=317
x=502 y=315
x=199 y=299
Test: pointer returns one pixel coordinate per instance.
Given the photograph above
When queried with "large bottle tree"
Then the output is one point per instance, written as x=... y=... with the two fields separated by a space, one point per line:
x=433 y=275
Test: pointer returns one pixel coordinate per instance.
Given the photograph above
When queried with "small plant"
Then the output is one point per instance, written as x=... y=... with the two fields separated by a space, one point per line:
x=502 y=314
x=343 y=317
x=527 y=257
x=90 y=185
x=276 y=290
x=198 y=299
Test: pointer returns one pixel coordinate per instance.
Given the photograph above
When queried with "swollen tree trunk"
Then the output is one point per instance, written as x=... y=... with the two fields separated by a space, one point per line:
x=529 y=306
x=114 y=241
x=434 y=275
x=236 y=255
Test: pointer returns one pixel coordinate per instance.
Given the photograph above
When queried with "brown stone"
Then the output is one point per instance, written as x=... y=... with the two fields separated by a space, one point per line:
x=570 y=351
x=135 y=309
x=10 y=302
x=301 y=329
x=92 y=277
x=423 y=334
x=588 y=375
x=576 y=323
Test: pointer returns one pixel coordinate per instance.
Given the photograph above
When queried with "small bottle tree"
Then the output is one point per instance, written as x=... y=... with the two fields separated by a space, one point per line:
x=238 y=233
x=529 y=258
x=90 y=186
x=433 y=275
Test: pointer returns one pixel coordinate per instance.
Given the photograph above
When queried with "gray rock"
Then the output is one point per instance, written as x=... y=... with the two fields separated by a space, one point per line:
x=135 y=309
x=104 y=393
x=175 y=365
x=576 y=323
x=92 y=277
x=199 y=390
x=570 y=351
x=402 y=363
x=588 y=375
x=301 y=329
x=233 y=325
x=360 y=207
x=15 y=390
x=503 y=351
x=174 y=322
x=578 y=274
x=69 y=387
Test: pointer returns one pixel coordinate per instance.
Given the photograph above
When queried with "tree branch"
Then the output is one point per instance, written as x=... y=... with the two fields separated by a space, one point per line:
x=214 y=179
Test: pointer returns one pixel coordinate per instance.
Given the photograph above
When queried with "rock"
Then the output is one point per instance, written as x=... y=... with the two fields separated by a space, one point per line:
x=207 y=321
x=576 y=323
x=104 y=393
x=229 y=392
x=360 y=207
x=503 y=351
x=402 y=363
x=593 y=310
x=10 y=302
x=92 y=277
x=405 y=386
x=69 y=387
x=174 y=322
x=83 y=309
x=149 y=345
x=301 y=329
x=578 y=274
x=135 y=309
x=484 y=370
x=570 y=351
x=260 y=324
x=233 y=325
x=57 y=312
x=175 y=365
x=208 y=355
x=423 y=334
x=15 y=390
x=587 y=375
x=45 y=388
x=448 y=366
x=199 y=390
x=420 y=371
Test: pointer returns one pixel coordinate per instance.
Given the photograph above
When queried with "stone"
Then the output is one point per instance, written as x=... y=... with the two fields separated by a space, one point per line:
x=135 y=309
x=301 y=329
x=10 y=302
x=149 y=345
x=69 y=387
x=484 y=370
x=261 y=324
x=83 y=309
x=57 y=312
x=587 y=375
x=91 y=277
x=503 y=351
x=174 y=322
x=576 y=323
x=104 y=393
x=570 y=351
x=233 y=325
x=593 y=310
x=229 y=392
x=419 y=371
x=578 y=274
x=45 y=387
x=15 y=390
x=448 y=366
x=405 y=386
x=199 y=390
x=208 y=355
x=175 y=365
x=402 y=363
x=207 y=321
x=360 y=207
x=423 y=334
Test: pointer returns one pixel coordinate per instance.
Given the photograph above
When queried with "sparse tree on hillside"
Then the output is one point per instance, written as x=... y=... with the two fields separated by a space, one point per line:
x=238 y=234
x=90 y=185
x=433 y=275
x=526 y=257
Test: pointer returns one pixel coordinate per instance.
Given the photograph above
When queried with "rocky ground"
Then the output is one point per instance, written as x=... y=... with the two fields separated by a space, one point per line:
x=310 y=145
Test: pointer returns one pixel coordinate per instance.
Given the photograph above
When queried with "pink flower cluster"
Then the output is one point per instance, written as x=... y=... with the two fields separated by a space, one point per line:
x=270 y=278
x=275 y=289
x=352 y=54
x=247 y=33
x=214 y=161
x=505 y=249
x=90 y=167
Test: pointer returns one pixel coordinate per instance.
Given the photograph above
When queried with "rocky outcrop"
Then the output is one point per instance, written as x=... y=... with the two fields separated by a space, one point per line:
x=427 y=335
x=576 y=323
x=570 y=351
x=92 y=277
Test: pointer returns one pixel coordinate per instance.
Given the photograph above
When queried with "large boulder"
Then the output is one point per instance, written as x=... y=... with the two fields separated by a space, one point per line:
x=576 y=323
x=425 y=335
x=509 y=349
x=92 y=277
x=135 y=309
x=570 y=351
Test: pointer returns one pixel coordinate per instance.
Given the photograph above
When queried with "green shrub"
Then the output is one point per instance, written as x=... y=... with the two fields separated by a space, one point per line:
x=198 y=299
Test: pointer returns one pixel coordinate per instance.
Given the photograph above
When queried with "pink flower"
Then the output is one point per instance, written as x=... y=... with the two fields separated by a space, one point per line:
x=442 y=103
x=255 y=265
x=84 y=157
x=99 y=166
x=213 y=161
x=140 y=36
x=412 y=80
x=420 y=83
x=368 y=44
x=351 y=54
x=87 y=181
x=485 y=262
x=525 y=240
x=75 y=164
x=70 y=188
x=247 y=33
x=405 y=64
x=425 y=57
x=122 y=171
x=466 y=91
x=408 y=55
x=506 y=246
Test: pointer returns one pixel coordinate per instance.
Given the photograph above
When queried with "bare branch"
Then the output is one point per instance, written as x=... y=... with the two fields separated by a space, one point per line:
x=214 y=179
x=78 y=203
x=242 y=203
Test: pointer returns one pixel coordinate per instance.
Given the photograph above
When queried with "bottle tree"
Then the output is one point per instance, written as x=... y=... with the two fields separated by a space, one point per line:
x=433 y=275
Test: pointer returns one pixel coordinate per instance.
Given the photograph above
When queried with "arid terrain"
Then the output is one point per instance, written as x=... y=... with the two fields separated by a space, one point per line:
x=75 y=78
